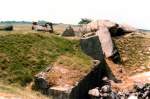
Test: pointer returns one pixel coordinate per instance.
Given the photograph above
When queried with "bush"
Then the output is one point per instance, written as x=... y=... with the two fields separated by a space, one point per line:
x=85 y=21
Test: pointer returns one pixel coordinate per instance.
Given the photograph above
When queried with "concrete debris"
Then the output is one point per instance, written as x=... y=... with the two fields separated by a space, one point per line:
x=106 y=41
x=140 y=91
x=99 y=45
x=47 y=27
x=68 y=32
x=94 y=92
x=114 y=28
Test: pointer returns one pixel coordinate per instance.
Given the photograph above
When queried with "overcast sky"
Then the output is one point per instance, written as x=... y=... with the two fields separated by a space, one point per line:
x=133 y=12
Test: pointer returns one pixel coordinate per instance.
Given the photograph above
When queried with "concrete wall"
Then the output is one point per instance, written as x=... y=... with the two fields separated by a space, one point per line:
x=92 y=80
x=92 y=47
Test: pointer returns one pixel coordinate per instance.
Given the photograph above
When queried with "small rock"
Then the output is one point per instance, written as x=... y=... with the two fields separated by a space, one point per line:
x=133 y=97
x=124 y=59
x=106 y=96
x=106 y=89
x=94 y=92
x=105 y=79
x=143 y=67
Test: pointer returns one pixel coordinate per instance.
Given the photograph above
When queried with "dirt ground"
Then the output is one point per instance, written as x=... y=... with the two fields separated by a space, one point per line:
x=136 y=67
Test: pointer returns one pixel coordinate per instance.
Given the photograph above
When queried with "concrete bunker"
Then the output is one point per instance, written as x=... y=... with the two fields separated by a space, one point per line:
x=79 y=90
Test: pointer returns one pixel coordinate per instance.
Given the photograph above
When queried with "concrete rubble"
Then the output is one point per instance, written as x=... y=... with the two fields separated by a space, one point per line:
x=140 y=91
x=97 y=43
x=47 y=27
x=114 y=28
x=68 y=32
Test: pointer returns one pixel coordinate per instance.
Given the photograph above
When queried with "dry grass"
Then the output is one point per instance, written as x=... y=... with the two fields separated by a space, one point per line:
x=21 y=93
x=135 y=51
x=26 y=52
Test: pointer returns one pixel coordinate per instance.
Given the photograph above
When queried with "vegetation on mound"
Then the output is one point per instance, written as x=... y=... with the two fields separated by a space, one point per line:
x=135 y=51
x=24 y=55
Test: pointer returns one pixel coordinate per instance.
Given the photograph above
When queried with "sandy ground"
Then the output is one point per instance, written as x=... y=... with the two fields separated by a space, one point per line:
x=128 y=81
x=141 y=77
x=8 y=96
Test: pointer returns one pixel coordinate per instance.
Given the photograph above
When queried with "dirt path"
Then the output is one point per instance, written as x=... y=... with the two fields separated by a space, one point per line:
x=121 y=74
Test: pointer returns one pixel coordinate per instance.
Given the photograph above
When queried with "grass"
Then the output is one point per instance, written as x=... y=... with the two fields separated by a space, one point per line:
x=135 y=49
x=24 y=55
x=21 y=93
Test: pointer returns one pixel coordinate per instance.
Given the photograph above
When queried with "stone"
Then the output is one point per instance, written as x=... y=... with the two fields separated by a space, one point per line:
x=106 y=96
x=139 y=86
x=100 y=45
x=96 y=62
x=114 y=28
x=94 y=92
x=146 y=94
x=142 y=67
x=92 y=47
x=132 y=97
x=59 y=92
x=125 y=59
x=40 y=81
x=68 y=32
x=95 y=25
x=47 y=27
x=114 y=95
x=116 y=31
x=89 y=34
x=108 y=45
x=106 y=41
x=127 y=28
x=105 y=79
x=106 y=89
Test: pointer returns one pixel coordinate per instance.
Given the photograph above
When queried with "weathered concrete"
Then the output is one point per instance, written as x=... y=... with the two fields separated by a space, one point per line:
x=92 y=80
x=68 y=32
x=81 y=88
x=100 y=46
x=47 y=27
x=59 y=92
x=114 y=28
x=92 y=47
x=106 y=41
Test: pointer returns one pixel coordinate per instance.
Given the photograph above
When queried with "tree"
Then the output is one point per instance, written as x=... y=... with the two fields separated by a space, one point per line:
x=85 y=21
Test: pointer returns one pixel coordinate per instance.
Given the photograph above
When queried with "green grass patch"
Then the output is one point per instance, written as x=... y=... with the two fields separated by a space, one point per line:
x=24 y=55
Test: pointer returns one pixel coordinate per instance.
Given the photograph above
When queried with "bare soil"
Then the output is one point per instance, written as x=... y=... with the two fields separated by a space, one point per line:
x=135 y=52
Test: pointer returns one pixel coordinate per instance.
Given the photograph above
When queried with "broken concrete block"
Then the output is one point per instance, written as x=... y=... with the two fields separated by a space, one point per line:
x=92 y=47
x=68 y=32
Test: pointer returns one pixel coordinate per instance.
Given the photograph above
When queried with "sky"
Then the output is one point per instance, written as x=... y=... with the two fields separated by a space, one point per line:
x=132 y=12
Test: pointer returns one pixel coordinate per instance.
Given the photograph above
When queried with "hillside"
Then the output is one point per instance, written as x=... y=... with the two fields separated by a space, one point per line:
x=24 y=55
x=135 y=51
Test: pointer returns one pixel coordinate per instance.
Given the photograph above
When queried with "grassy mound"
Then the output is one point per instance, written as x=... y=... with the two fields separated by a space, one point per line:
x=135 y=50
x=24 y=55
